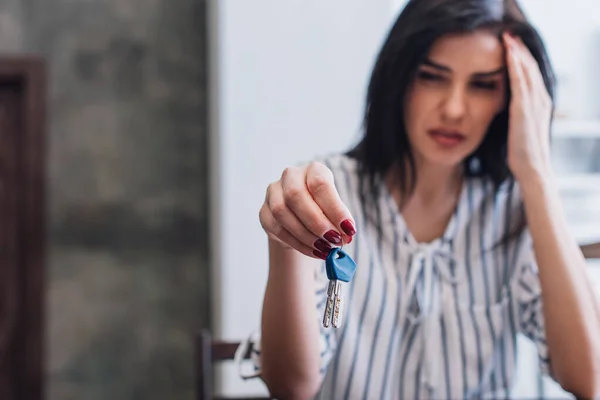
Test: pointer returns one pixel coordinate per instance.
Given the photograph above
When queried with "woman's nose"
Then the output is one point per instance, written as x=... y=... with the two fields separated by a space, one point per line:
x=455 y=106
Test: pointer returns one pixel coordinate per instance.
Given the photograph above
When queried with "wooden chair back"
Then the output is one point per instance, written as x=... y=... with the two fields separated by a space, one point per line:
x=209 y=352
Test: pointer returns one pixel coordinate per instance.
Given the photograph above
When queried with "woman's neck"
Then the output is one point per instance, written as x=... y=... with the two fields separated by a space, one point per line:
x=435 y=184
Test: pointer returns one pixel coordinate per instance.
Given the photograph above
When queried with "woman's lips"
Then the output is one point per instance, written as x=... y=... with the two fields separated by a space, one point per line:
x=446 y=138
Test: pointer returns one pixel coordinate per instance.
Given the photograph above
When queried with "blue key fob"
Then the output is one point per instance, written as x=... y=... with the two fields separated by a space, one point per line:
x=339 y=265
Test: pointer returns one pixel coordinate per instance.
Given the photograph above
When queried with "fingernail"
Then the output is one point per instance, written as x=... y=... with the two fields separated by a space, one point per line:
x=333 y=237
x=349 y=239
x=320 y=254
x=348 y=227
x=322 y=246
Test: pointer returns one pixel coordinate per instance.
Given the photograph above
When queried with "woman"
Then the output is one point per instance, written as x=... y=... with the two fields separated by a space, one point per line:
x=452 y=181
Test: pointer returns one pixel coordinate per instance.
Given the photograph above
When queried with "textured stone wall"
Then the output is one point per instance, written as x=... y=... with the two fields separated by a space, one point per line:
x=127 y=190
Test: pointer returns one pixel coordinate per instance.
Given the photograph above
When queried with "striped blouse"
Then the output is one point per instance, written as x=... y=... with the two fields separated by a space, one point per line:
x=431 y=320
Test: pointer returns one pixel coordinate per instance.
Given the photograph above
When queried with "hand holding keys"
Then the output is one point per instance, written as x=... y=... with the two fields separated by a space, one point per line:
x=340 y=269
x=304 y=211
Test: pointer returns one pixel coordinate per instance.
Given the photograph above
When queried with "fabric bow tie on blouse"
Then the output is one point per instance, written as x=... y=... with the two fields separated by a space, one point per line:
x=429 y=298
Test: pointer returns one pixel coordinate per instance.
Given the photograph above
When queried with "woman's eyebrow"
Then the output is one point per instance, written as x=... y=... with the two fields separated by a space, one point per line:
x=435 y=65
x=486 y=74
x=489 y=74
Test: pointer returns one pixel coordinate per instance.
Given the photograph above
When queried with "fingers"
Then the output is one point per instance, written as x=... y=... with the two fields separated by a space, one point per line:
x=519 y=85
x=283 y=223
x=320 y=185
x=528 y=65
x=277 y=232
x=297 y=196
x=292 y=216
x=532 y=68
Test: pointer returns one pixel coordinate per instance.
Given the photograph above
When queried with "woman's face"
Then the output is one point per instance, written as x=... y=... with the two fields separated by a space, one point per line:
x=456 y=94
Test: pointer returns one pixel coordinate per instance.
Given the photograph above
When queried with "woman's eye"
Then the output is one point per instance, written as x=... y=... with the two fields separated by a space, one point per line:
x=428 y=76
x=485 y=85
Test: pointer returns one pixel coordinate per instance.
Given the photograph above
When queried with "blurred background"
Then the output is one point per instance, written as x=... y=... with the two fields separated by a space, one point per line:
x=165 y=122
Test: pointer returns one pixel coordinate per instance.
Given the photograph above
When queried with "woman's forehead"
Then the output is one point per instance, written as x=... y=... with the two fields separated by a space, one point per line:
x=474 y=52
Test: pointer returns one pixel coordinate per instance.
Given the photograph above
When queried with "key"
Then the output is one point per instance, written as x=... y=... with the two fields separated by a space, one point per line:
x=329 y=304
x=340 y=268
x=337 y=305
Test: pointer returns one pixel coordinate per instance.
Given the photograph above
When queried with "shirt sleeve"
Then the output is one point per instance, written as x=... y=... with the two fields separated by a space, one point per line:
x=327 y=338
x=529 y=298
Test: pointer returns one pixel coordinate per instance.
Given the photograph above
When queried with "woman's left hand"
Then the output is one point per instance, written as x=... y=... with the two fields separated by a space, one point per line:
x=530 y=111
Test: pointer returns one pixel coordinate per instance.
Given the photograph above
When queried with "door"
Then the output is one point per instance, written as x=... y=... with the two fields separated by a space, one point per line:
x=22 y=230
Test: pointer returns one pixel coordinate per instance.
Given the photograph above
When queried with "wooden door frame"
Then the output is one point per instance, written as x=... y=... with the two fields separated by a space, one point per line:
x=29 y=74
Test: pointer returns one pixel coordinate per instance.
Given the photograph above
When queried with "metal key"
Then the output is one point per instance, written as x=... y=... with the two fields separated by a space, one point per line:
x=340 y=268
x=329 y=304
x=337 y=304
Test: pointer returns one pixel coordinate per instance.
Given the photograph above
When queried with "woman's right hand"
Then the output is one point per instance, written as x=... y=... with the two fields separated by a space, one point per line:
x=303 y=211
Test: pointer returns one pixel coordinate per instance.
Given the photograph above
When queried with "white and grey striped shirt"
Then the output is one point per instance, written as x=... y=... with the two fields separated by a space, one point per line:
x=435 y=320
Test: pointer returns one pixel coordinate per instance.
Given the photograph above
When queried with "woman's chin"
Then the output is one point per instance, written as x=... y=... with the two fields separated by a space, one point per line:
x=447 y=159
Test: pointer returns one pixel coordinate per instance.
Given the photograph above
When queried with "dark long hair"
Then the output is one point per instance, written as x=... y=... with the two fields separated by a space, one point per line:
x=419 y=25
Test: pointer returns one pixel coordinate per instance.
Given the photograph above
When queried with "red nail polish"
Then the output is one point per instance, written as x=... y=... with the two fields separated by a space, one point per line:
x=348 y=227
x=333 y=237
x=320 y=254
x=322 y=246
x=349 y=239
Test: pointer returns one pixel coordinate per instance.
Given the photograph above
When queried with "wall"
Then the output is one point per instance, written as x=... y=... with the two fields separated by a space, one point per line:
x=291 y=79
x=128 y=276
x=571 y=30
x=127 y=193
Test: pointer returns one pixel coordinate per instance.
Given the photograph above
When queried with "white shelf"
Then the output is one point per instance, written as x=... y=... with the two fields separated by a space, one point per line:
x=566 y=128
x=584 y=233
x=581 y=198
x=588 y=182
x=579 y=182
